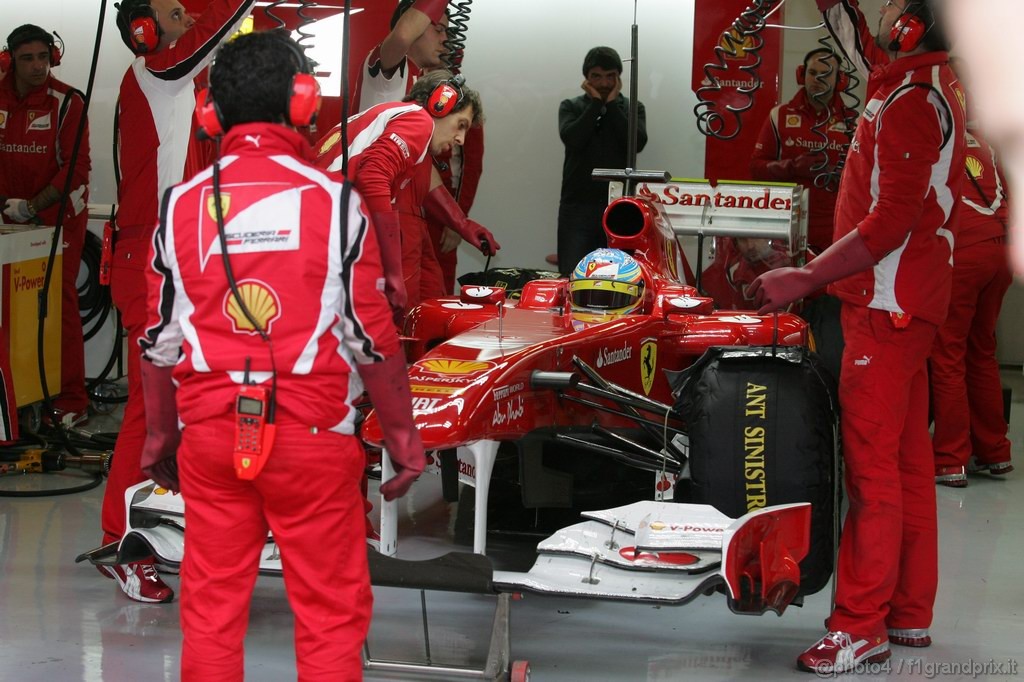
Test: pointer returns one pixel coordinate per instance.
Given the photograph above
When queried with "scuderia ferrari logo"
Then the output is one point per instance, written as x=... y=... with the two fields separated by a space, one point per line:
x=648 y=363
x=3 y=119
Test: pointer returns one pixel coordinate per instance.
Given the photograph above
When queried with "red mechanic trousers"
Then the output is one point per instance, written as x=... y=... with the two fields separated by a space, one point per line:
x=308 y=495
x=888 y=556
x=967 y=400
x=420 y=268
x=128 y=291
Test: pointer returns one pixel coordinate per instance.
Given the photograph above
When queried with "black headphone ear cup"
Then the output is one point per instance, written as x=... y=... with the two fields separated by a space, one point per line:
x=303 y=100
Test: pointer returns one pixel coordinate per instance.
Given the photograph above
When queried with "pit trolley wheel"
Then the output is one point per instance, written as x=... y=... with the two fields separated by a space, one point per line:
x=520 y=671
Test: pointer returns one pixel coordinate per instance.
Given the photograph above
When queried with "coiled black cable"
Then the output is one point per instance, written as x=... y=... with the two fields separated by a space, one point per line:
x=269 y=12
x=94 y=301
x=455 y=43
x=827 y=174
x=742 y=39
x=853 y=104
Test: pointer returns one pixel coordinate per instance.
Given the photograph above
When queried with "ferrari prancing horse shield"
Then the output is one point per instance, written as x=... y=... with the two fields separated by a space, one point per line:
x=648 y=363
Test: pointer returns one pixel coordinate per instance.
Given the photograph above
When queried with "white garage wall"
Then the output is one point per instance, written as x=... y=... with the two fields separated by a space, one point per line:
x=525 y=57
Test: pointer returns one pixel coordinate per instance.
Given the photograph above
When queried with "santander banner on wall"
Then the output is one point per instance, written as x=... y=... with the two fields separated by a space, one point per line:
x=733 y=78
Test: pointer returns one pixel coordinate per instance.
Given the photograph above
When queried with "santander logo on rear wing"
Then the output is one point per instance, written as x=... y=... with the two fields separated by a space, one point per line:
x=729 y=209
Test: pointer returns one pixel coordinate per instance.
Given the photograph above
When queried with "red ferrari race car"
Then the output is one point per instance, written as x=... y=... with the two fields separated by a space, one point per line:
x=699 y=445
x=623 y=384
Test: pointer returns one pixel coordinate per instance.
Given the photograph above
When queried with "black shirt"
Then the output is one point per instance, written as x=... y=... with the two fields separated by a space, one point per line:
x=595 y=136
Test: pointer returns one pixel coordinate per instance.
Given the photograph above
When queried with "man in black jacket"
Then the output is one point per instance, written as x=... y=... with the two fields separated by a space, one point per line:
x=594 y=129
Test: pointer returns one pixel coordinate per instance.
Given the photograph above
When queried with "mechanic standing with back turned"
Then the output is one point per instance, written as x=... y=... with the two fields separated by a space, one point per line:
x=890 y=266
x=270 y=342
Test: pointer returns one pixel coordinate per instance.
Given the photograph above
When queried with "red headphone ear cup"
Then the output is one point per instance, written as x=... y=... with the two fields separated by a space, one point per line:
x=208 y=115
x=443 y=100
x=304 y=100
x=54 y=56
x=906 y=33
x=145 y=34
x=5 y=60
x=801 y=73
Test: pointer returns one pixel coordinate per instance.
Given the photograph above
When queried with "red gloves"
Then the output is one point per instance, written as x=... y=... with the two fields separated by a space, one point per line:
x=388 y=385
x=797 y=168
x=440 y=207
x=160 y=451
x=389 y=242
x=776 y=289
x=432 y=8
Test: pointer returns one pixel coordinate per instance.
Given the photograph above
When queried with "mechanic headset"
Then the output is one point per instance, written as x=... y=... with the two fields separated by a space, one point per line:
x=909 y=28
x=140 y=29
x=445 y=97
x=841 y=82
x=56 y=48
x=301 y=110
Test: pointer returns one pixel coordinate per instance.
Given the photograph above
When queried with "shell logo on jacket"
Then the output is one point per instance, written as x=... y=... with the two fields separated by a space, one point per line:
x=260 y=300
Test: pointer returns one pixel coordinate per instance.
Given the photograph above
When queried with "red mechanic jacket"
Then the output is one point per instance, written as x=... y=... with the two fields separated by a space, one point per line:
x=306 y=265
x=37 y=135
x=983 y=210
x=903 y=174
x=387 y=143
x=155 y=112
x=790 y=132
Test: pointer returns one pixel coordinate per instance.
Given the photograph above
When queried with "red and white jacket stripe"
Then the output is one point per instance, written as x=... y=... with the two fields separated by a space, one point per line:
x=904 y=171
x=387 y=142
x=155 y=111
x=375 y=86
x=306 y=265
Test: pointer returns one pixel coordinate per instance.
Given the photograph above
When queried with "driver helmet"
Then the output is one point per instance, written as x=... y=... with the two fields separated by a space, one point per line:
x=606 y=284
